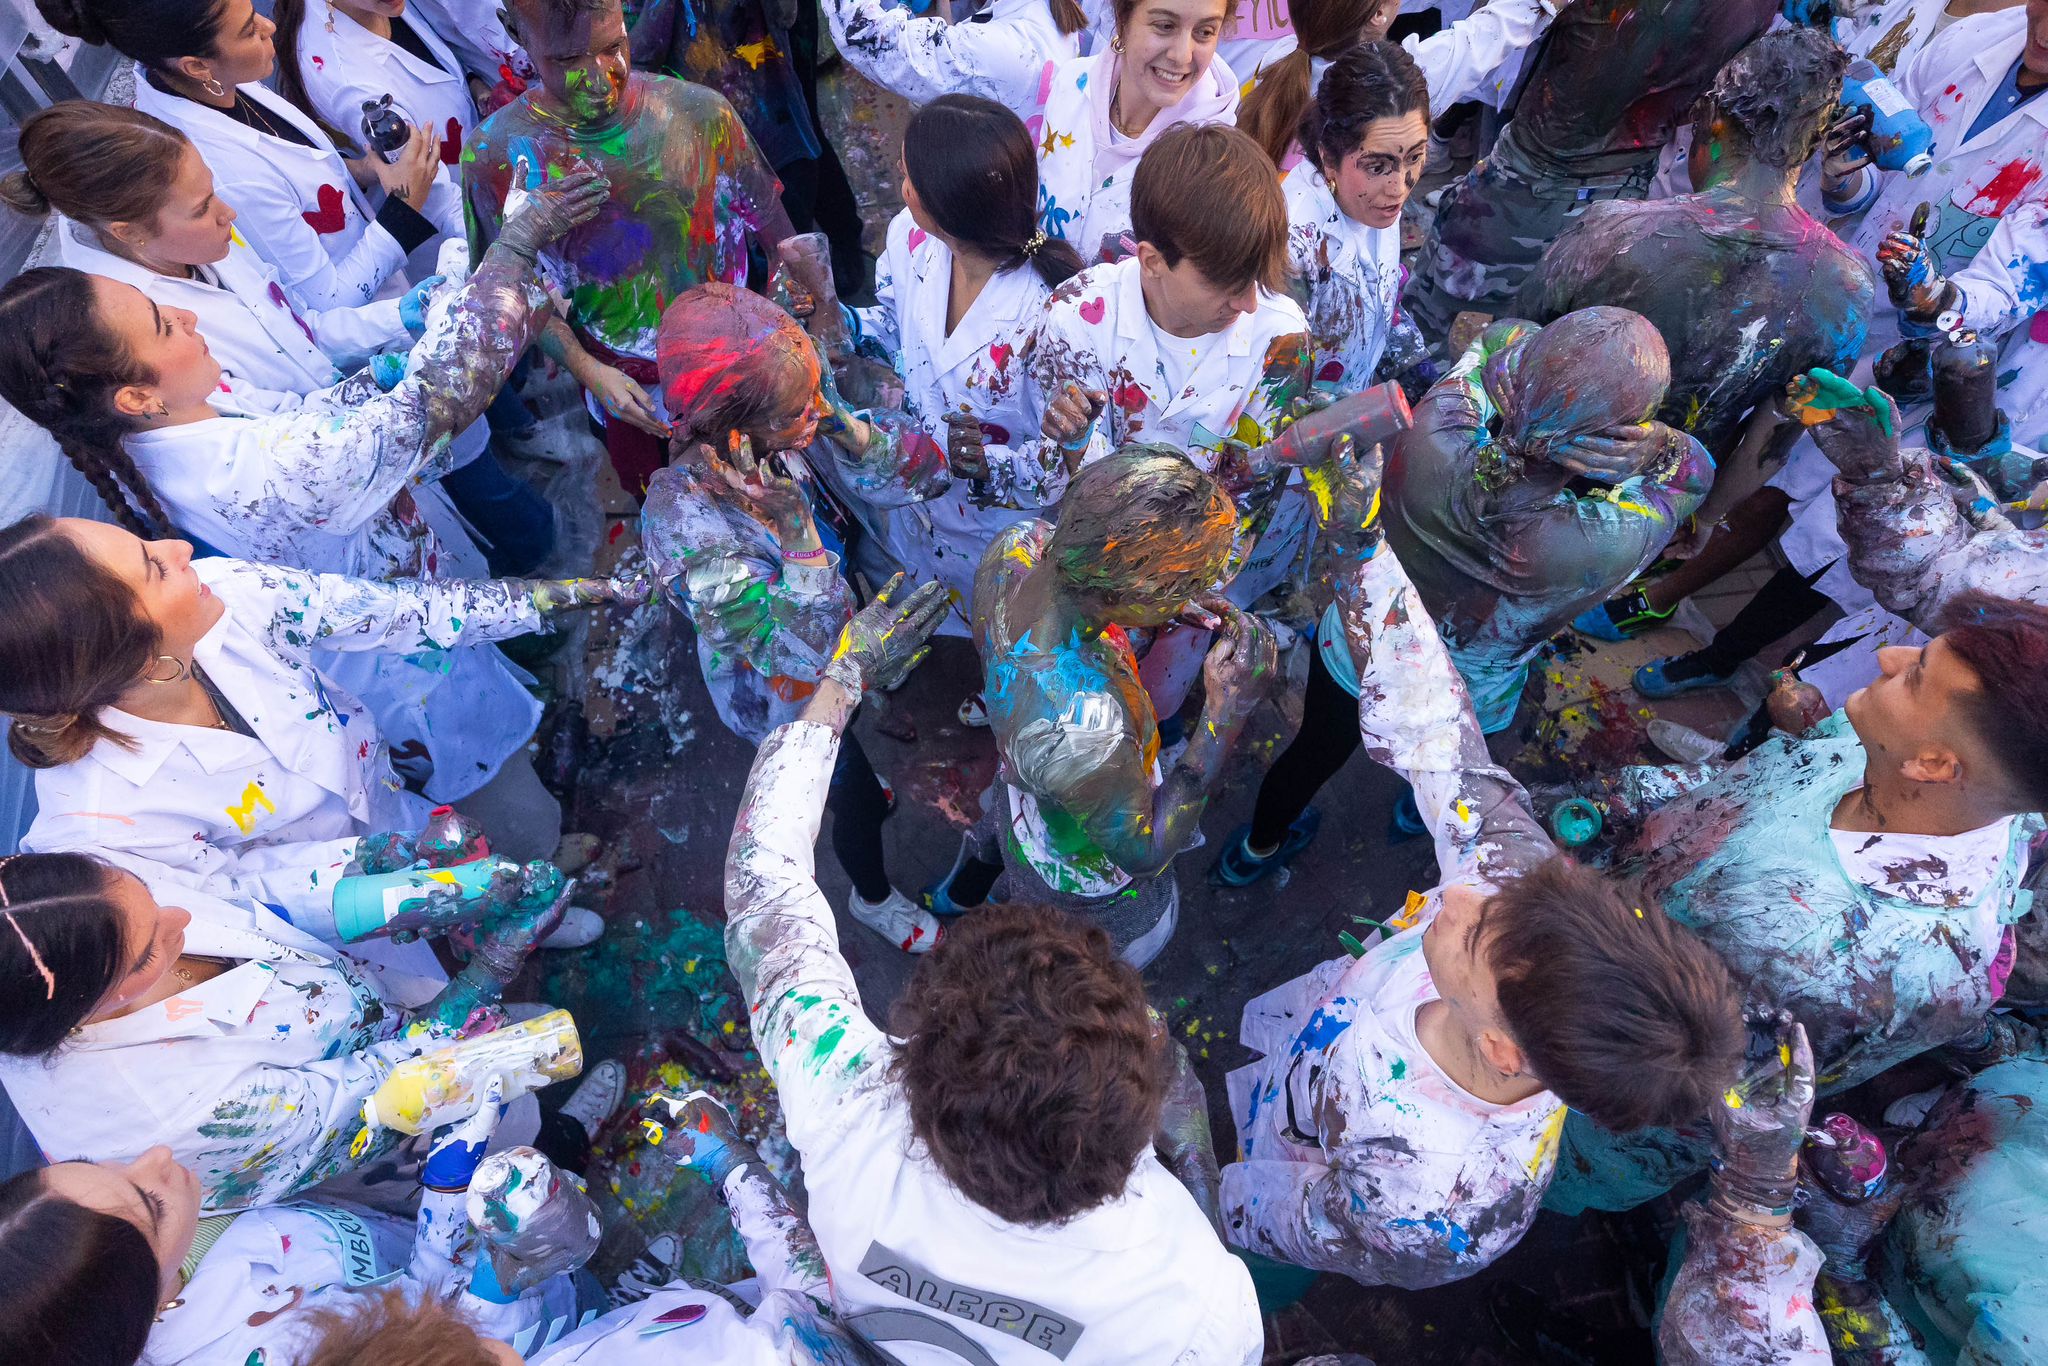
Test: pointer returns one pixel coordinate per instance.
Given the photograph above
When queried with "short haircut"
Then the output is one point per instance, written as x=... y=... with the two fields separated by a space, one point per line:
x=2005 y=643
x=1207 y=193
x=1623 y=1013
x=1142 y=512
x=556 y=14
x=389 y=1325
x=1031 y=1063
x=1778 y=93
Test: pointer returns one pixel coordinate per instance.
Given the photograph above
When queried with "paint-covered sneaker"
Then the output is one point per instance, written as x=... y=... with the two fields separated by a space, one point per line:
x=899 y=920
x=597 y=1095
x=973 y=712
x=655 y=1267
x=1622 y=618
x=1238 y=866
x=1406 y=822
x=1652 y=681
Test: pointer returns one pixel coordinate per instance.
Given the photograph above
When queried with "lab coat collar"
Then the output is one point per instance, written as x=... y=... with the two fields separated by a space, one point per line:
x=156 y=741
x=361 y=42
x=1001 y=301
x=1133 y=323
x=1993 y=59
x=188 y=114
x=219 y=1006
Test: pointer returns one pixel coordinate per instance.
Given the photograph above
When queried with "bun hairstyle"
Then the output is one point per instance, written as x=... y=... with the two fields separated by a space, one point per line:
x=153 y=32
x=1370 y=82
x=72 y=640
x=61 y=949
x=95 y=163
x=82 y=1286
x=1324 y=29
x=60 y=368
x=976 y=174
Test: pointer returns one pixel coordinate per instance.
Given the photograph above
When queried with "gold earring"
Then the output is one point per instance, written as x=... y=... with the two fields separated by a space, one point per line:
x=1116 y=44
x=213 y=87
x=180 y=670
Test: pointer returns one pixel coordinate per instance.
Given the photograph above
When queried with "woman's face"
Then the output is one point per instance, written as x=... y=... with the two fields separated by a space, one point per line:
x=242 y=50
x=1168 y=45
x=153 y=1193
x=193 y=228
x=790 y=421
x=159 y=574
x=1373 y=182
x=164 y=341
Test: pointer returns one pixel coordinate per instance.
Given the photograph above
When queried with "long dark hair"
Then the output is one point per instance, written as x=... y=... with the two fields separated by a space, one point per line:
x=976 y=174
x=1370 y=82
x=95 y=163
x=60 y=950
x=155 y=33
x=1322 y=28
x=72 y=640
x=290 y=17
x=60 y=367
x=82 y=1286
x=1068 y=16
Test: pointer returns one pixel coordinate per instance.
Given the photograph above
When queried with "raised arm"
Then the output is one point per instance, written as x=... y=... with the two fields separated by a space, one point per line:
x=922 y=58
x=1459 y=61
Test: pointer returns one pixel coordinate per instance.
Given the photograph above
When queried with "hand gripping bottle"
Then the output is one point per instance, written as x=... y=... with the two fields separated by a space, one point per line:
x=419 y=901
x=445 y=1085
x=1369 y=417
x=1900 y=139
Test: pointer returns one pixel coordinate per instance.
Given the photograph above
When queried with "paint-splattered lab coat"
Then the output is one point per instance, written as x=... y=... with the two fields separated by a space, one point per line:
x=1747 y=861
x=1003 y=53
x=980 y=368
x=1138 y=1278
x=1916 y=550
x=475 y=31
x=275 y=817
x=1357 y=1153
x=1352 y=274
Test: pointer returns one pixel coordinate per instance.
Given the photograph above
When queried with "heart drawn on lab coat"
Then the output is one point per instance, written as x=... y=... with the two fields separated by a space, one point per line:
x=332 y=215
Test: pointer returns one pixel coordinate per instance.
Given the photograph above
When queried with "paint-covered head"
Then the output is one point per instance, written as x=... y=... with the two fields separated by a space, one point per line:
x=731 y=361
x=1592 y=373
x=1770 y=102
x=1141 y=533
x=579 y=50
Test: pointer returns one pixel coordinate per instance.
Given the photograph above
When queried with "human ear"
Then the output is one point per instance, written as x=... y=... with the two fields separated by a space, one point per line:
x=194 y=69
x=1151 y=260
x=1933 y=765
x=132 y=400
x=129 y=235
x=1502 y=1054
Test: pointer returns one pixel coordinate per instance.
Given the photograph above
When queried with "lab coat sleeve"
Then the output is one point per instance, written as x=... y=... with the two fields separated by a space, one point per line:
x=1916 y=550
x=350 y=336
x=1416 y=719
x=880 y=324
x=1743 y=1297
x=270 y=219
x=2006 y=283
x=391 y=616
x=1458 y=60
x=780 y=1245
x=924 y=58
x=780 y=939
x=899 y=465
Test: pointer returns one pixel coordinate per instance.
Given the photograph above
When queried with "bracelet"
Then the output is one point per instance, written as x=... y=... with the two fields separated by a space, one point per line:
x=806 y=556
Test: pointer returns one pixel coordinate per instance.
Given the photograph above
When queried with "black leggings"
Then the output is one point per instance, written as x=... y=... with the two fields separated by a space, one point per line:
x=859 y=804
x=1787 y=601
x=1327 y=740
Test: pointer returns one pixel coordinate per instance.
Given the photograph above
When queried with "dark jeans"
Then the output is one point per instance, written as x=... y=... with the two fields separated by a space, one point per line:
x=816 y=193
x=517 y=525
x=859 y=804
x=1787 y=601
x=1327 y=740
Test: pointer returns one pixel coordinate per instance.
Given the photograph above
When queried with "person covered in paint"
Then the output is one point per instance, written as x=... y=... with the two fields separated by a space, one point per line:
x=740 y=551
x=994 y=1152
x=691 y=195
x=117 y=1262
x=1521 y=494
x=1747 y=288
x=132 y=395
x=1612 y=81
x=1099 y=115
x=1863 y=877
x=1403 y=1120
x=1083 y=816
x=1003 y=52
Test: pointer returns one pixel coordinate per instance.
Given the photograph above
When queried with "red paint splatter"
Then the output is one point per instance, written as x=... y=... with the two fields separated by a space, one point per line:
x=2003 y=190
x=999 y=352
x=331 y=216
x=1131 y=398
x=451 y=144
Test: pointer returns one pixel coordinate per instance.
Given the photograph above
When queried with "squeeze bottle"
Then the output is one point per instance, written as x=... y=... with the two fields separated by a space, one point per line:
x=425 y=901
x=1900 y=139
x=445 y=1085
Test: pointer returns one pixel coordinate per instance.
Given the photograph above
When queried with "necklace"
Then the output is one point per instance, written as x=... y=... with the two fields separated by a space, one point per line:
x=243 y=102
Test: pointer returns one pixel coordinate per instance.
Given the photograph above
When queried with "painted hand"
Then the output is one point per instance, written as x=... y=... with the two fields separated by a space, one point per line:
x=1761 y=1121
x=621 y=396
x=411 y=176
x=1071 y=415
x=1847 y=146
x=1794 y=706
x=1616 y=453
x=1241 y=666
x=452 y=1159
x=535 y=899
x=771 y=495
x=537 y=216
x=697 y=1131
x=966 y=447
x=1910 y=273
x=1855 y=428
x=1347 y=497
x=806 y=270
x=412 y=309
x=630 y=587
x=1845 y=1199
x=886 y=639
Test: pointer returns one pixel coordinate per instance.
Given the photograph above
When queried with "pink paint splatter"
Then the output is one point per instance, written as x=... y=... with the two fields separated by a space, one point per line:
x=1092 y=311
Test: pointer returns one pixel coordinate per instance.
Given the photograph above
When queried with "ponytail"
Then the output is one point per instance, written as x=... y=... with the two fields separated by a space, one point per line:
x=95 y=164
x=1068 y=17
x=156 y=33
x=1271 y=114
x=976 y=174
x=290 y=17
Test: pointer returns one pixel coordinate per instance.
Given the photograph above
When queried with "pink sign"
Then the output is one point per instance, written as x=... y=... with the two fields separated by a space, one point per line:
x=1261 y=19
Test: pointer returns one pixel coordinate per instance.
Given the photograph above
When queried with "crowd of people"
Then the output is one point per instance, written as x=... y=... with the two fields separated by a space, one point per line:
x=1148 y=398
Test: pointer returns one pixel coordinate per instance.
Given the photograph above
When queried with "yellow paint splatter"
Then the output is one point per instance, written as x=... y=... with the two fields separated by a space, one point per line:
x=244 y=814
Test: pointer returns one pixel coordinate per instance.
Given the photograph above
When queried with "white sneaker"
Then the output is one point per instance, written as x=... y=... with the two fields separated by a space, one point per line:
x=597 y=1095
x=899 y=920
x=1683 y=743
x=580 y=925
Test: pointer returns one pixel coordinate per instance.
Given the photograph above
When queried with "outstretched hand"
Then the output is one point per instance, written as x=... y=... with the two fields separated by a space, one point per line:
x=1346 y=490
x=1855 y=428
x=1760 y=1123
x=886 y=639
x=536 y=216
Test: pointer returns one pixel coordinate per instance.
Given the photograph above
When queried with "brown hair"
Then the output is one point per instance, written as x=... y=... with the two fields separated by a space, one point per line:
x=154 y=34
x=1623 y=1013
x=1068 y=16
x=1271 y=114
x=290 y=17
x=1370 y=82
x=82 y=1286
x=72 y=640
x=1031 y=1064
x=1141 y=513
x=390 y=1326
x=2005 y=643
x=1185 y=177
x=1124 y=9
x=60 y=368
x=62 y=951
x=975 y=170
x=96 y=163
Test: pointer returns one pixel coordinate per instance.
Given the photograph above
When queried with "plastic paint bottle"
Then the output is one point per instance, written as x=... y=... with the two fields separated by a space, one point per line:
x=535 y=1220
x=1369 y=417
x=1899 y=138
x=419 y=900
x=445 y=1085
x=1575 y=821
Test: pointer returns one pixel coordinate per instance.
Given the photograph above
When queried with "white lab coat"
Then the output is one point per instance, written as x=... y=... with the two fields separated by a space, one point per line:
x=1353 y=276
x=272 y=818
x=300 y=207
x=1005 y=53
x=475 y=31
x=344 y=64
x=1085 y=166
x=980 y=368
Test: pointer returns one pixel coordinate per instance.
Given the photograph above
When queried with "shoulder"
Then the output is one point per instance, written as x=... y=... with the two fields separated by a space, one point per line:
x=1084 y=300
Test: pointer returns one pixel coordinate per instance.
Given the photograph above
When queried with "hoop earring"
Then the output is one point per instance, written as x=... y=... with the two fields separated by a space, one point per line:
x=180 y=670
x=213 y=87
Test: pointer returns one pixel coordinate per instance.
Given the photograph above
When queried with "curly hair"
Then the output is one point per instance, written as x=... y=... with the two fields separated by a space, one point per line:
x=1032 y=1065
x=1779 y=91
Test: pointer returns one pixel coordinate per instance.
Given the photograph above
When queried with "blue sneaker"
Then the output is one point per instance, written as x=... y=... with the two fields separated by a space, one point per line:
x=1238 y=866
x=1406 y=822
x=1622 y=618
x=1651 y=681
x=938 y=898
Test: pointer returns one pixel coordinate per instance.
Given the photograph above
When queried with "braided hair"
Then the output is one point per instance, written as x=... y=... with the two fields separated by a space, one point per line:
x=60 y=367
